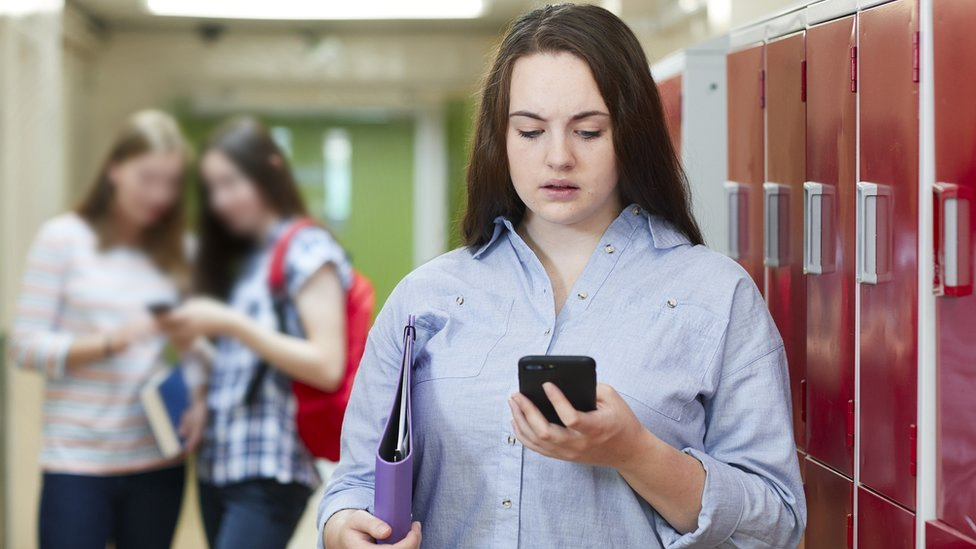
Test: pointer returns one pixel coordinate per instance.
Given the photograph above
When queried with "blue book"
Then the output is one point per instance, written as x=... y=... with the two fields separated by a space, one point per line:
x=165 y=398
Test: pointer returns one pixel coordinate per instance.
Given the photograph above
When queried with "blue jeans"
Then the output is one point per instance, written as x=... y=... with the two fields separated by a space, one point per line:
x=256 y=513
x=136 y=511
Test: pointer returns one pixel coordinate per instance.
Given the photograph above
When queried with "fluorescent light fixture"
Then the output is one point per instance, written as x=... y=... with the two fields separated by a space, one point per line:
x=319 y=9
x=17 y=8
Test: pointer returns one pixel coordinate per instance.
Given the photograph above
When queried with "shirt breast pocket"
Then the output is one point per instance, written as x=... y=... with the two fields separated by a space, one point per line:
x=660 y=351
x=457 y=334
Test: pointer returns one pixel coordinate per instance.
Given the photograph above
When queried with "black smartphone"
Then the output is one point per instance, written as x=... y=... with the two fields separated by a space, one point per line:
x=160 y=307
x=574 y=375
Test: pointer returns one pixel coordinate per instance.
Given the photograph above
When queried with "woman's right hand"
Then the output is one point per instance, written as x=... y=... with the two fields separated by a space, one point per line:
x=357 y=529
x=132 y=331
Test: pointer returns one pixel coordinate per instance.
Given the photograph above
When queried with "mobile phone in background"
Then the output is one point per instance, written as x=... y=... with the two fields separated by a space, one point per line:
x=160 y=307
x=574 y=375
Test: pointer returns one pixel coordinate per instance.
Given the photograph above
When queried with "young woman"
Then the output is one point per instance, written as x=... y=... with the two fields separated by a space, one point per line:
x=82 y=322
x=255 y=473
x=580 y=242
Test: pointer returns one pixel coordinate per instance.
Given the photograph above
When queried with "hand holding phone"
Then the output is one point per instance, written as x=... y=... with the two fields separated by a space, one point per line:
x=160 y=307
x=575 y=376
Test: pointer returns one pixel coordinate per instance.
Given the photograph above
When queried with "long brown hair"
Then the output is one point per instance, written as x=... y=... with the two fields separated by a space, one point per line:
x=248 y=144
x=145 y=132
x=649 y=170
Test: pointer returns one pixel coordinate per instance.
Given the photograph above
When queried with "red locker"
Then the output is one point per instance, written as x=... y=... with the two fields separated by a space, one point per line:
x=746 y=168
x=830 y=507
x=941 y=536
x=828 y=248
x=887 y=251
x=883 y=524
x=955 y=174
x=670 y=90
x=783 y=208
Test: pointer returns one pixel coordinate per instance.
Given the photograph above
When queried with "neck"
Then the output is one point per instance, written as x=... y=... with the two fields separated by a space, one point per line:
x=267 y=225
x=124 y=231
x=564 y=250
x=552 y=241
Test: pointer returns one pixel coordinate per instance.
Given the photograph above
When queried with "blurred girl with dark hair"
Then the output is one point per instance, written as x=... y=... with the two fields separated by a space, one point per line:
x=580 y=242
x=255 y=473
x=82 y=321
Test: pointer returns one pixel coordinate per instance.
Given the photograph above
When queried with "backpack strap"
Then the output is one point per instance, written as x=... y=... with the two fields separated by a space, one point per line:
x=279 y=295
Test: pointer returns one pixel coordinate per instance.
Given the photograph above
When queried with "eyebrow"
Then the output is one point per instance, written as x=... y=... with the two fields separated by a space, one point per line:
x=577 y=116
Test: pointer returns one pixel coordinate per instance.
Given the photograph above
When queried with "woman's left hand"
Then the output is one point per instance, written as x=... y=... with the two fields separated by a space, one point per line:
x=198 y=316
x=604 y=437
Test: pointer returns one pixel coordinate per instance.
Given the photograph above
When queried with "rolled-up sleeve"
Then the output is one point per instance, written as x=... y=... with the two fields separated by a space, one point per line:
x=351 y=486
x=37 y=343
x=753 y=495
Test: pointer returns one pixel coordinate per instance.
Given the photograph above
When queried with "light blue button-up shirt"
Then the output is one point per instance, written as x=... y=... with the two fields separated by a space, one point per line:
x=679 y=330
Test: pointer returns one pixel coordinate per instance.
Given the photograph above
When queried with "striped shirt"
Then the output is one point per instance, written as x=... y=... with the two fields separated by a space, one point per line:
x=260 y=440
x=94 y=422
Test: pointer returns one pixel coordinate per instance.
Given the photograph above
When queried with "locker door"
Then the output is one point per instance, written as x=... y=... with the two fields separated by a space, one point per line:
x=887 y=256
x=783 y=208
x=941 y=536
x=955 y=173
x=746 y=168
x=670 y=90
x=828 y=253
x=883 y=524
x=830 y=507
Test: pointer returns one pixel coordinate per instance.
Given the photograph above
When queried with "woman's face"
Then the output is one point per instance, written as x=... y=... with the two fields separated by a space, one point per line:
x=233 y=197
x=147 y=186
x=560 y=141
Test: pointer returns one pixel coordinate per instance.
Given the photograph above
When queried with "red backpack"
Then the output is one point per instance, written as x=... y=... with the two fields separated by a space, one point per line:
x=320 y=413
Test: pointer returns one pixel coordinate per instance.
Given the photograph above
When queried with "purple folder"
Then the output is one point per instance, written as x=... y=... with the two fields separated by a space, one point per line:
x=393 y=496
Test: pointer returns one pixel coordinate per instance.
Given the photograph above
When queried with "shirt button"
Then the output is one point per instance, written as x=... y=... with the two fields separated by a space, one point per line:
x=609 y=249
x=547 y=331
x=506 y=504
x=672 y=303
x=459 y=300
x=511 y=440
x=582 y=295
x=636 y=210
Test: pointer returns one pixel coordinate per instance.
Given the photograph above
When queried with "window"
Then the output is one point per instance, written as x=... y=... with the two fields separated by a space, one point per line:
x=337 y=152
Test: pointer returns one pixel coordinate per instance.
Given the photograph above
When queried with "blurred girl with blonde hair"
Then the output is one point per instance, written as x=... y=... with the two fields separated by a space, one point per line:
x=83 y=322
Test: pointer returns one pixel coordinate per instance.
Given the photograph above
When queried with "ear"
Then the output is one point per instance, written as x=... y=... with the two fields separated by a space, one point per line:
x=276 y=161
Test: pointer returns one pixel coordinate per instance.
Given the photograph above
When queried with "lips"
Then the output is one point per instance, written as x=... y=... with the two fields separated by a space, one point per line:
x=560 y=185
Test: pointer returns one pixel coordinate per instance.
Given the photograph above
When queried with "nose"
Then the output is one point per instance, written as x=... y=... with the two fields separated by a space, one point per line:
x=559 y=155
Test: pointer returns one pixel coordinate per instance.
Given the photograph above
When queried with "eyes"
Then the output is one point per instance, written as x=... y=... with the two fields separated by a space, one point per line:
x=585 y=134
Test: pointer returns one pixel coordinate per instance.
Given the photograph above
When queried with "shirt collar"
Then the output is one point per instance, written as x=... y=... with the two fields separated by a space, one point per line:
x=663 y=232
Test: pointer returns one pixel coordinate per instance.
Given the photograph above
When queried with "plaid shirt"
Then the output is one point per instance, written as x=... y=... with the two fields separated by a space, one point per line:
x=260 y=440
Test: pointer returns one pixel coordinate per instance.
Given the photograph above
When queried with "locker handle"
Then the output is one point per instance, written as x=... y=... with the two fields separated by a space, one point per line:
x=817 y=206
x=953 y=248
x=776 y=208
x=737 y=203
x=871 y=239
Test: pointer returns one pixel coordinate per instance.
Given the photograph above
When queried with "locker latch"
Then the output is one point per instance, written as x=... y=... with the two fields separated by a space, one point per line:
x=803 y=81
x=850 y=423
x=853 y=69
x=850 y=531
x=913 y=449
x=916 y=63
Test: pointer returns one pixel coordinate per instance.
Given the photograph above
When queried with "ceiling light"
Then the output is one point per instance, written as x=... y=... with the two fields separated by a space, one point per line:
x=319 y=9
x=27 y=7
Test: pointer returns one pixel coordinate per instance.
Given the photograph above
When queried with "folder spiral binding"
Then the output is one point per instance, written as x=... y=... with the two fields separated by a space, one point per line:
x=393 y=495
